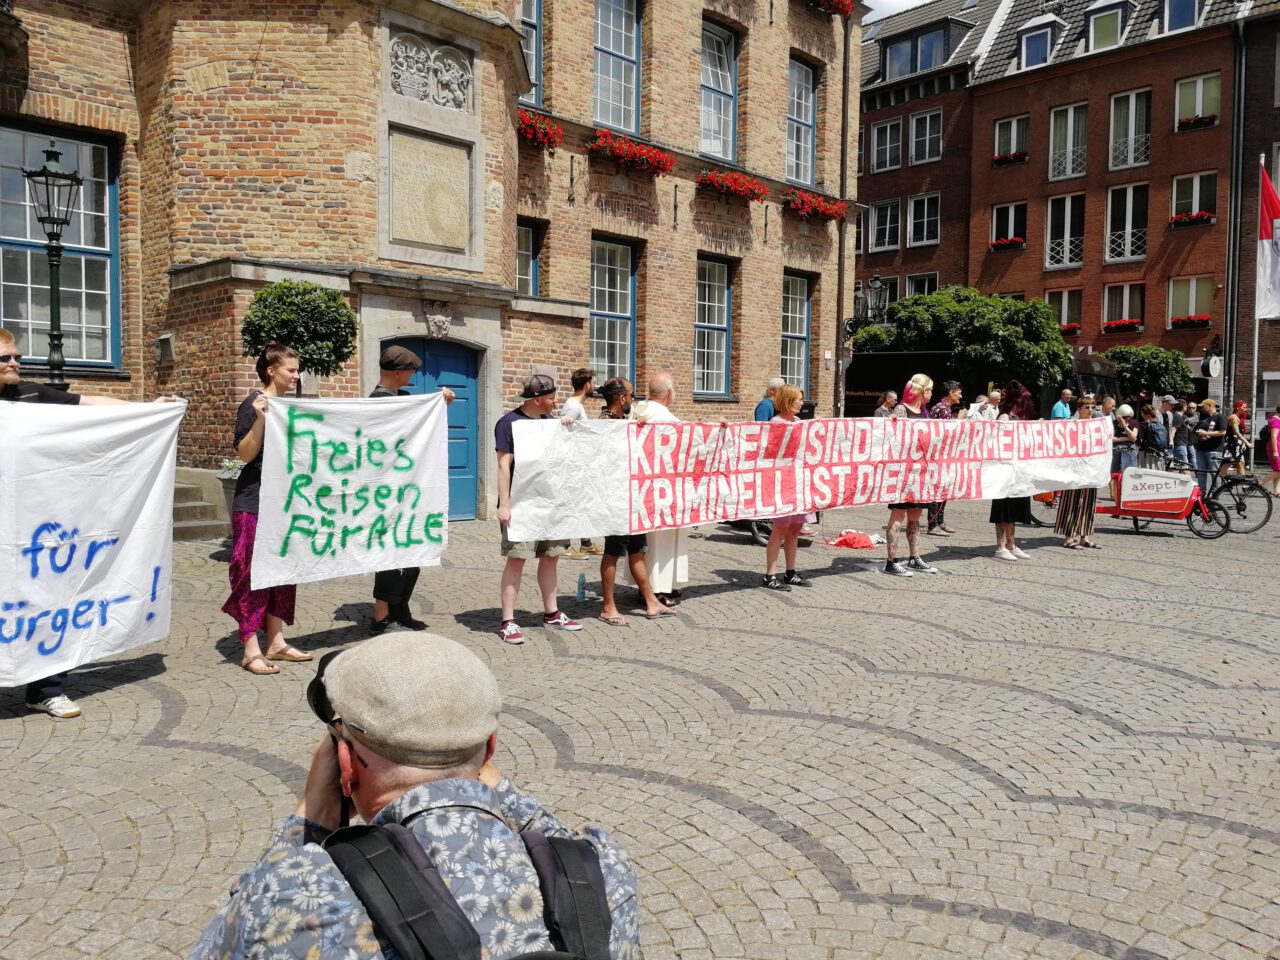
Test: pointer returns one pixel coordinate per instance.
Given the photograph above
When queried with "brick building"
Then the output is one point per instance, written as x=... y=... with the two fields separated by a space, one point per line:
x=1095 y=134
x=372 y=147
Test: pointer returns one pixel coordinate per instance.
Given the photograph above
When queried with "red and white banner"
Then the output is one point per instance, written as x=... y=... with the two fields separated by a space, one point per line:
x=1267 y=291
x=608 y=477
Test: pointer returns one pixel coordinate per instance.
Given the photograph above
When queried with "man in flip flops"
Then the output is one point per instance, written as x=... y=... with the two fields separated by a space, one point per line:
x=618 y=394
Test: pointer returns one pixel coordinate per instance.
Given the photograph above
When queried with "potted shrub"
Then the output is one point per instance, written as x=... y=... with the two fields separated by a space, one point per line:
x=1007 y=159
x=1197 y=122
x=1127 y=325
x=733 y=184
x=1192 y=219
x=640 y=157
x=315 y=321
x=1191 y=321
x=539 y=130
x=1007 y=243
x=812 y=206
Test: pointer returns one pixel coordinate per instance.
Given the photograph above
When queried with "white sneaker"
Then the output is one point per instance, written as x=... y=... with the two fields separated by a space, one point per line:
x=1020 y=553
x=63 y=708
x=1003 y=554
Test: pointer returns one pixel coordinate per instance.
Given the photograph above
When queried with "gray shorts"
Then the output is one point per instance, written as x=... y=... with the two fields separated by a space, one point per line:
x=528 y=549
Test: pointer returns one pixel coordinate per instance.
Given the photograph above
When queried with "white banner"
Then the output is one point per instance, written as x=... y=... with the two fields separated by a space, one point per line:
x=351 y=486
x=608 y=477
x=86 y=532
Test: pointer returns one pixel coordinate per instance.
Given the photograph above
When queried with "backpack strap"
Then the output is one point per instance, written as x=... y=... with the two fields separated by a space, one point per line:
x=573 y=894
x=403 y=893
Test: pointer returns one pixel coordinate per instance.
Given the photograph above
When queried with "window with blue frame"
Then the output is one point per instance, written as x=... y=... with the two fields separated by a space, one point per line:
x=719 y=92
x=613 y=309
x=617 y=64
x=712 y=329
x=90 y=266
x=531 y=43
x=802 y=123
x=527 y=237
x=797 y=304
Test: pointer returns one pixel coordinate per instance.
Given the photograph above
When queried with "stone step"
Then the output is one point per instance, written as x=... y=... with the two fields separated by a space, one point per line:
x=186 y=493
x=201 y=530
x=194 y=510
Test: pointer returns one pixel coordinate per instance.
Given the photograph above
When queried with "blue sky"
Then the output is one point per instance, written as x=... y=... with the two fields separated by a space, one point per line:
x=882 y=8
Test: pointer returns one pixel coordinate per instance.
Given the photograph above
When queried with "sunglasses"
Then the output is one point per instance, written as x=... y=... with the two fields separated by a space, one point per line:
x=7 y=357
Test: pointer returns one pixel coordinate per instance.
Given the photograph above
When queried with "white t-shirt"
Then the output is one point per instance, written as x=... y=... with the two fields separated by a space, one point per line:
x=573 y=409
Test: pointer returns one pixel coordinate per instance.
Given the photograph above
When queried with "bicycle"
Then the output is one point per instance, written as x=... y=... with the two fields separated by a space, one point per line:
x=1248 y=501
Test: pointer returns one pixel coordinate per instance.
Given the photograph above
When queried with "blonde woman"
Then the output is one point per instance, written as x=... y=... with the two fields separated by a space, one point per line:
x=784 y=536
x=914 y=406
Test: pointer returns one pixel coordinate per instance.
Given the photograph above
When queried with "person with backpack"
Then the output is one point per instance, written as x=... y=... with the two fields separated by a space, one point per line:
x=453 y=861
x=1153 y=439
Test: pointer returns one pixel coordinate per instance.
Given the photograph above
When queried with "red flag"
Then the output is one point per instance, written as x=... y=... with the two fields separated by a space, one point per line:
x=1267 y=290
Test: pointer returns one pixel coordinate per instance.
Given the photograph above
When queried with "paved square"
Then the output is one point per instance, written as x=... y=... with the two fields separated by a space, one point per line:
x=1072 y=756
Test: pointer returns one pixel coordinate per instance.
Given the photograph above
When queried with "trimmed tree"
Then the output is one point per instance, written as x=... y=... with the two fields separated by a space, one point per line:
x=989 y=338
x=1150 y=368
x=316 y=322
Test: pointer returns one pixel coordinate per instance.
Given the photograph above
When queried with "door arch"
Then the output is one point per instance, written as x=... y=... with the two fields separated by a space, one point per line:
x=452 y=365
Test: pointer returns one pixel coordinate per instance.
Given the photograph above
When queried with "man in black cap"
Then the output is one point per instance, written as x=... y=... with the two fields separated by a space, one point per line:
x=392 y=589
x=539 y=399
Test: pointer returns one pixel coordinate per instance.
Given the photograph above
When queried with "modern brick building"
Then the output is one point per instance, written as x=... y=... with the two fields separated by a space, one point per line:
x=1091 y=163
x=372 y=147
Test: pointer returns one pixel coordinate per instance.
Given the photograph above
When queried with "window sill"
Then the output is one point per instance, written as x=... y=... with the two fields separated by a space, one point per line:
x=882 y=250
x=715 y=398
x=886 y=169
x=546 y=307
x=1113 y=260
x=926 y=160
x=40 y=372
x=1063 y=266
x=923 y=243
x=1184 y=224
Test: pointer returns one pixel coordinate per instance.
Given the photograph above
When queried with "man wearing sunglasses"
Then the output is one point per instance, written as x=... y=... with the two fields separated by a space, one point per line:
x=47 y=695
x=413 y=721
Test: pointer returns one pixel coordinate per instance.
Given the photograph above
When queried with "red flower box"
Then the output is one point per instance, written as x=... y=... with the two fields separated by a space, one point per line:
x=1070 y=329
x=1007 y=243
x=1196 y=122
x=543 y=132
x=1005 y=159
x=733 y=184
x=1191 y=322
x=1127 y=325
x=842 y=7
x=629 y=153
x=813 y=206
x=1191 y=219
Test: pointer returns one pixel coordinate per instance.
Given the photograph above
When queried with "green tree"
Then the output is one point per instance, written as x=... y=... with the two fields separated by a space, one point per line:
x=316 y=322
x=1150 y=368
x=989 y=338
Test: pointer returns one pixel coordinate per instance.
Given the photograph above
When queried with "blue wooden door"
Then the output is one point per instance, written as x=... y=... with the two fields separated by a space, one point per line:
x=454 y=366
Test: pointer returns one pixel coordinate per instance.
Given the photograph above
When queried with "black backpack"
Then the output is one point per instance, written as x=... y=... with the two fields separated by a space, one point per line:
x=1264 y=434
x=412 y=909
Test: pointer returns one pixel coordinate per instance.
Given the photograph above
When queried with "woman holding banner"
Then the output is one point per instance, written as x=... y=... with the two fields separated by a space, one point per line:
x=271 y=608
x=914 y=406
x=1007 y=512
x=784 y=534
x=1076 y=508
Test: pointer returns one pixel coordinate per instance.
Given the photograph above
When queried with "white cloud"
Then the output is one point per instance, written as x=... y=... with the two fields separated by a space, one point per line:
x=883 y=8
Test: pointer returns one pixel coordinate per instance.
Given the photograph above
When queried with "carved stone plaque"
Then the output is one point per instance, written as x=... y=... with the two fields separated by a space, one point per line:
x=430 y=192
x=431 y=72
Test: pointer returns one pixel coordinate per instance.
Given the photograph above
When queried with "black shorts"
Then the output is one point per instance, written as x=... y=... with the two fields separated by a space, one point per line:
x=624 y=544
x=907 y=506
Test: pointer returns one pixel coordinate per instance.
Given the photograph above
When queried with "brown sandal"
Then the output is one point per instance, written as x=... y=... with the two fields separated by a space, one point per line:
x=289 y=655
x=267 y=670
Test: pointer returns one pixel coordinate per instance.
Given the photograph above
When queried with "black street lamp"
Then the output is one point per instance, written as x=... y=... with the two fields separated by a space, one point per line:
x=869 y=304
x=53 y=192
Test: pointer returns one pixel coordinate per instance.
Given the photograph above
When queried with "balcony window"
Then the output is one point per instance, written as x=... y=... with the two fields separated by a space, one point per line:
x=1130 y=129
x=1068 y=148
x=1064 y=239
x=1127 y=222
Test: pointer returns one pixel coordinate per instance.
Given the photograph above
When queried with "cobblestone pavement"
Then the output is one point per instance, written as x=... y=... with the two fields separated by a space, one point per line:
x=1066 y=757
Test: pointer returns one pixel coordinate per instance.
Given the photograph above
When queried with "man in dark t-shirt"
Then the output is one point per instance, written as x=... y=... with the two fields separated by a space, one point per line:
x=45 y=695
x=538 y=400
x=392 y=589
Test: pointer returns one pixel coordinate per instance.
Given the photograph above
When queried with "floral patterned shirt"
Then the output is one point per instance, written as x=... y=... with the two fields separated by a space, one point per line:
x=295 y=905
x=942 y=410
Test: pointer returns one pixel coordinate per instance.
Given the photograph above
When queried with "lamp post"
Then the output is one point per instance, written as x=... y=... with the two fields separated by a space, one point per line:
x=53 y=191
x=869 y=304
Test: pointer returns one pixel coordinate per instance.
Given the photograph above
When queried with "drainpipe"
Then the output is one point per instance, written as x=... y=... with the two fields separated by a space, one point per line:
x=1235 y=197
x=837 y=389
